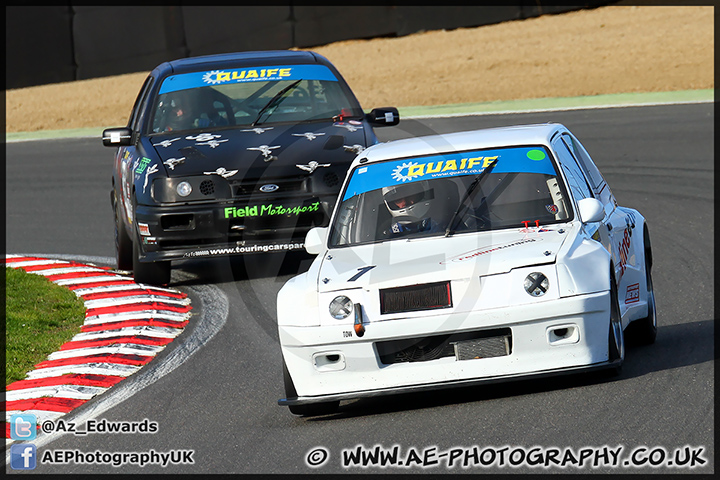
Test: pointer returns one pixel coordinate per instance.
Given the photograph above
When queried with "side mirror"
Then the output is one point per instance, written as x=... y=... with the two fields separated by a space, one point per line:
x=117 y=137
x=315 y=240
x=590 y=210
x=383 y=117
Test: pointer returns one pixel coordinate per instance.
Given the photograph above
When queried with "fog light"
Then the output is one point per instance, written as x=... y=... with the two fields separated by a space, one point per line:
x=184 y=189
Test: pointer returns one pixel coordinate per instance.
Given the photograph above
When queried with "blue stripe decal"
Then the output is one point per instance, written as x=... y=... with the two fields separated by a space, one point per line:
x=185 y=81
x=377 y=175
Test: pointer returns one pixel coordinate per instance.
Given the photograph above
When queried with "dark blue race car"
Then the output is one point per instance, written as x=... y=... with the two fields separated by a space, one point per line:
x=232 y=154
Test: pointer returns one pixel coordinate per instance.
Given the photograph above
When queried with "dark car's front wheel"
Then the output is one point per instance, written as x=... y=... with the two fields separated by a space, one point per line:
x=152 y=273
x=123 y=243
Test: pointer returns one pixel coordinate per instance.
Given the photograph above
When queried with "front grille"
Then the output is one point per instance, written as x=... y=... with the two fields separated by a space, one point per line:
x=463 y=346
x=412 y=298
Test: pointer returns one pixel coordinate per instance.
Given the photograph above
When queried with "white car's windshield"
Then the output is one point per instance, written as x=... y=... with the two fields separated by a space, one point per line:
x=440 y=195
x=249 y=97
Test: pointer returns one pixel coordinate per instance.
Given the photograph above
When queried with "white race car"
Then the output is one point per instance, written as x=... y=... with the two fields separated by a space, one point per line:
x=457 y=259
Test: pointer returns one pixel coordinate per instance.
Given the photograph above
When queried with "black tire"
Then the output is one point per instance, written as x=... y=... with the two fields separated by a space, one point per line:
x=307 y=410
x=644 y=331
x=616 y=336
x=123 y=243
x=152 y=273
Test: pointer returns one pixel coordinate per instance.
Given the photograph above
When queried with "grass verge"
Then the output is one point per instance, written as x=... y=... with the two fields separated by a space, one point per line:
x=39 y=317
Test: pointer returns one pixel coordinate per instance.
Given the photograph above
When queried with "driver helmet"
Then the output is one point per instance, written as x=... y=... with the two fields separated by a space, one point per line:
x=409 y=200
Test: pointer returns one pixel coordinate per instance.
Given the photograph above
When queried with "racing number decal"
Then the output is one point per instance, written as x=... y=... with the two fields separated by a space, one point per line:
x=361 y=272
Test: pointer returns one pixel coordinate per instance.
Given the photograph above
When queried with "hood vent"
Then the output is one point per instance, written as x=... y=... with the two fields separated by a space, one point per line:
x=412 y=298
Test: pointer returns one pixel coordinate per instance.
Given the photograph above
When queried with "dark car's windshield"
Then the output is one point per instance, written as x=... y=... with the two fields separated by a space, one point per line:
x=419 y=196
x=221 y=98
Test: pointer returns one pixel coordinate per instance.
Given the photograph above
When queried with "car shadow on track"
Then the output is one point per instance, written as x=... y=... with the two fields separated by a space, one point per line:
x=238 y=268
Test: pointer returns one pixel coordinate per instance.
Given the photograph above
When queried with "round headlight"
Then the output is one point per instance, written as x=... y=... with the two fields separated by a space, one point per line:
x=184 y=189
x=341 y=307
x=536 y=284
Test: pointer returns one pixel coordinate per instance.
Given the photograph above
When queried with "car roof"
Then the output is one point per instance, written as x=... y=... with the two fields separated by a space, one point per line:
x=239 y=59
x=535 y=134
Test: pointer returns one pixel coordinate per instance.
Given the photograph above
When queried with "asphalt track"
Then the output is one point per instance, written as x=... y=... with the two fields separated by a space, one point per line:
x=215 y=390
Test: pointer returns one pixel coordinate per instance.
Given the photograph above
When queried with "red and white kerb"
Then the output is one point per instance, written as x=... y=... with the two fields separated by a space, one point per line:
x=126 y=325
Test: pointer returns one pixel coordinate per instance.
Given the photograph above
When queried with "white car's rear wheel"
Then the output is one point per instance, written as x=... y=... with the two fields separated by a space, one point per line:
x=644 y=330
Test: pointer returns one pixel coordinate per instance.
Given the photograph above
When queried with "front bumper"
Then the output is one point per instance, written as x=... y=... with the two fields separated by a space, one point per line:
x=228 y=228
x=324 y=368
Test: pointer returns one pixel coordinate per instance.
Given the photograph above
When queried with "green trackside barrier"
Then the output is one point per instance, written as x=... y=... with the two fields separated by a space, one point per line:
x=510 y=106
x=562 y=103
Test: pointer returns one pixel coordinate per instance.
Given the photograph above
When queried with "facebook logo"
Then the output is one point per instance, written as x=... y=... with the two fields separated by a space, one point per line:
x=23 y=456
x=23 y=426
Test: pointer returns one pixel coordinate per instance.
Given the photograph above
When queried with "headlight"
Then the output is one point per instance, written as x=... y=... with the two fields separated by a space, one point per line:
x=536 y=284
x=341 y=307
x=184 y=189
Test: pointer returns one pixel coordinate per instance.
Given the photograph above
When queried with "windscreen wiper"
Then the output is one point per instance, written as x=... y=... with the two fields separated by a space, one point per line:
x=471 y=188
x=274 y=100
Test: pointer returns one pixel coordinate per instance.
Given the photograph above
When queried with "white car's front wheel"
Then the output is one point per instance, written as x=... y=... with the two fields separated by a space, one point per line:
x=616 y=344
x=310 y=409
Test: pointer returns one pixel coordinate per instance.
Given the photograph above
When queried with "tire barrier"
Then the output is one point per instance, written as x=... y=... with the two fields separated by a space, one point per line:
x=97 y=41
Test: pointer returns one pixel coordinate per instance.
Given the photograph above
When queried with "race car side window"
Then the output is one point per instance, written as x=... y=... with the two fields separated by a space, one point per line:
x=592 y=173
x=575 y=177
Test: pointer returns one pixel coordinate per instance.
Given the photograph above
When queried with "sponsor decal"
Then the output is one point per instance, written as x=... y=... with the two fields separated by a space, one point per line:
x=172 y=162
x=270 y=73
x=632 y=295
x=451 y=165
x=511 y=159
x=347 y=126
x=269 y=210
x=624 y=249
x=142 y=164
x=354 y=148
x=266 y=151
x=312 y=165
x=223 y=172
x=148 y=172
x=166 y=143
x=309 y=135
x=220 y=76
x=492 y=248
x=257 y=130
x=244 y=249
x=207 y=139
x=553 y=209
